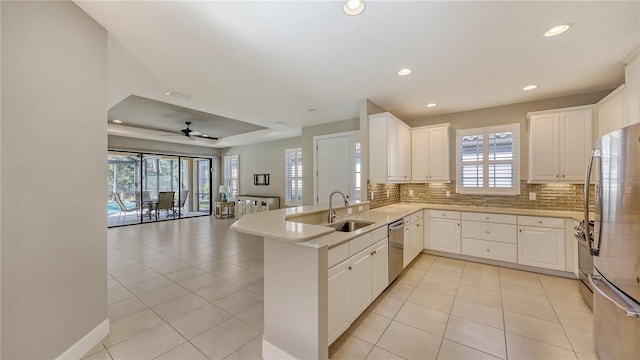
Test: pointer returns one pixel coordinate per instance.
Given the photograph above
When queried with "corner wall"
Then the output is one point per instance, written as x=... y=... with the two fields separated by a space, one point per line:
x=53 y=148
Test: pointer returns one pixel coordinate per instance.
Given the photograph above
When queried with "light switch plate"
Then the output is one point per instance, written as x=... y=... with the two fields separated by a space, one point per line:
x=360 y=208
x=410 y=192
x=447 y=194
x=372 y=195
x=349 y=211
x=387 y=193
x=532 y=196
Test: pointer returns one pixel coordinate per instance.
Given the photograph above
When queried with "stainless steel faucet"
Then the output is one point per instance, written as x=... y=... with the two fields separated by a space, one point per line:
x=332 y=212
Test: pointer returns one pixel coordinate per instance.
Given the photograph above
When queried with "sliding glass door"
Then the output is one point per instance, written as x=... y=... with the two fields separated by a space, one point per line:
x=155 y=187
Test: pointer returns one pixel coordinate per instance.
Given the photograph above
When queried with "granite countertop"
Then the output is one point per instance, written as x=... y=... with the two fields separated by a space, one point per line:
x=272 y=224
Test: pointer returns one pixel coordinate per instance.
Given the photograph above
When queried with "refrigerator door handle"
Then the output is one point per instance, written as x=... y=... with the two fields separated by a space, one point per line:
x=615 y=296
x=595 y=250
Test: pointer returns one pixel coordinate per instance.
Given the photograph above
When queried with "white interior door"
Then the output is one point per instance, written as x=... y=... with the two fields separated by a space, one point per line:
x=333 y=167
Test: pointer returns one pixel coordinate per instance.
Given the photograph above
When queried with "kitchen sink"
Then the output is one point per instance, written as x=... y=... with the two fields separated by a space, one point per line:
x=350 y=225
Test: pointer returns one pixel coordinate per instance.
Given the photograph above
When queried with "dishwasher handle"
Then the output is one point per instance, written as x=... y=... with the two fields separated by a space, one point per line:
x=396 y=225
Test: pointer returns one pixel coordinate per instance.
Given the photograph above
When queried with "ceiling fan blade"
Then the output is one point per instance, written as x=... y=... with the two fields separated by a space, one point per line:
x=205 y=137
x=195 y=133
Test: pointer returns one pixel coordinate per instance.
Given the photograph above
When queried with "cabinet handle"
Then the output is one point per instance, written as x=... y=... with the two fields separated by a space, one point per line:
x=487 y=218
x=520 y=230
x=562 y=175
x=374 y=252
x=349 y=267
x=488 y=250
x=418 y=225
x=539 y=222
x=371 y=253
x=488 y=232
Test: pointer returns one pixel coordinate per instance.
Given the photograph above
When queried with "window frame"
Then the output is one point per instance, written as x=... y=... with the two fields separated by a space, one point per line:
x=485 y=162
x=288 y=190
x=228 y=175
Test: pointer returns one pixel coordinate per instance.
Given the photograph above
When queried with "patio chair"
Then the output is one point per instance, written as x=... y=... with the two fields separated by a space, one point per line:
x=123 y=208
x=183 y=200
x=165 y=202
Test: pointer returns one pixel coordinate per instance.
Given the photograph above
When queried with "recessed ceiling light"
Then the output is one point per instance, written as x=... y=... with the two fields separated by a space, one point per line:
x=530 y=87
x=280 y=123
x=117 y=121
x=178 y=95
x=404 y=72
x=432 y=105
x=312 y=110
x=557 y=30
x=353 y=7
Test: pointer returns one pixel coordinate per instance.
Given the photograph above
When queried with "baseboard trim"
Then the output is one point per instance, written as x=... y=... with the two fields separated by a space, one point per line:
x=91 y=339
x=270 y=351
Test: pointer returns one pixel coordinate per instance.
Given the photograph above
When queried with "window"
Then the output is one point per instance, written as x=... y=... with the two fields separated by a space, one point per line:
x=488 y=160
x=231 y=170
x=293 y=176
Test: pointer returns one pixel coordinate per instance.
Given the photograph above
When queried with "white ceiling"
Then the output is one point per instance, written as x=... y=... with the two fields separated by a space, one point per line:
x=268 y=62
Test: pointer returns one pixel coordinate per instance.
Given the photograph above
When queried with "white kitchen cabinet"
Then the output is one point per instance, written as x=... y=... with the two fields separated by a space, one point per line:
x=490 y=236
x=444 y=231
x=361 y=284
x=559 y=145
x=380 y=267
x=430 y=153
x=611 y=111
x=357 y=280
x=541 y=246
x=413 y=237
x=339 y=287
x=389 y=149
x=632 y=91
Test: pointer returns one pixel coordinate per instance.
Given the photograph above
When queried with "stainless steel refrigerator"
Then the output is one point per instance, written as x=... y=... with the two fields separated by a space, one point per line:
x=615 y=244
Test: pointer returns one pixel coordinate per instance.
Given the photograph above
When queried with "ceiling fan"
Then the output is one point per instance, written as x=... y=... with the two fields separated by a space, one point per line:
x=190 y=133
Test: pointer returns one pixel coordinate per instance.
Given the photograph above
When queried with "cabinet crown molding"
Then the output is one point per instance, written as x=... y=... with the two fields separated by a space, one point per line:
x=550 y=111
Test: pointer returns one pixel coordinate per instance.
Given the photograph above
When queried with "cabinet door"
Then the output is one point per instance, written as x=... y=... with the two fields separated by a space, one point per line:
x=575 y=144
x=416 y=238
x=632 y=83
x=380 y=267
x=338 y=300
x=419 y=154
x=393 y=139
x=407 y=249
x=541 y=247
x=404 y=153
x=438 y=154
x=611 y=112
x=544 y=152
x=360 y=280
x=379 y=149
x=444 y=235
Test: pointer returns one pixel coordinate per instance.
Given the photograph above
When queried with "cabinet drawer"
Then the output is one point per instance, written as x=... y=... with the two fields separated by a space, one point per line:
x=541 y=221
x=338 y=254
x=490 y=250
x=415 y=216
x=486 y=217
x=444 y=214
x=489 y=231
x=360 y=243
x=379 y=234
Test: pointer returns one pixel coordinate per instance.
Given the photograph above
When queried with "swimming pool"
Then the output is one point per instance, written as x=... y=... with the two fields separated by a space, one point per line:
x=113 y=208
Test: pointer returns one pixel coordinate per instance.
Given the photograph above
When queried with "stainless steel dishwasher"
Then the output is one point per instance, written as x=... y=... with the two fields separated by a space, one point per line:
x=396 y=248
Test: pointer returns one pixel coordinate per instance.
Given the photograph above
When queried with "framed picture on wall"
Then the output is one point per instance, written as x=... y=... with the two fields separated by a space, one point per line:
x=261 y=179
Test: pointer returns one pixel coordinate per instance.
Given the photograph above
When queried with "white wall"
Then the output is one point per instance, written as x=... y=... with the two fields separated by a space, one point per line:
x=263 y=158
x=53 y=144
x=142 y=145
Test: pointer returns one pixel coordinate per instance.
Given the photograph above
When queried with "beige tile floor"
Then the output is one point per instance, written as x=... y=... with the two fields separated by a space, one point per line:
x=192 y=289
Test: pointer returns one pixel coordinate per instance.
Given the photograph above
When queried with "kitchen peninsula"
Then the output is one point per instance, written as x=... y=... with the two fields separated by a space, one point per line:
x=299 y=248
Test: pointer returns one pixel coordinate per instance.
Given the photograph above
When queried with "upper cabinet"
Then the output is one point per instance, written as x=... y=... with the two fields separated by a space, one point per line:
x=559 y=144
x=389 y=149
x=632 y=81
x=612 y=111
x=430 y=153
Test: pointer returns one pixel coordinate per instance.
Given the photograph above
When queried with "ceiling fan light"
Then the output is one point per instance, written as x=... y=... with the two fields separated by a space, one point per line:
x=353 y=7
x=404 y=72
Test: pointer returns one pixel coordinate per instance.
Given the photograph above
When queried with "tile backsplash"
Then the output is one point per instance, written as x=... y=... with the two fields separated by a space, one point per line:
x=553 y=196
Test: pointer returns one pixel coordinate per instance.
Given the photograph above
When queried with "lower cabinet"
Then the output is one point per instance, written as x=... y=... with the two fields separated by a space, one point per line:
x=413 y=237
x=354 y=283
x=444 y=231
x=339 y=299
x=541 y=247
